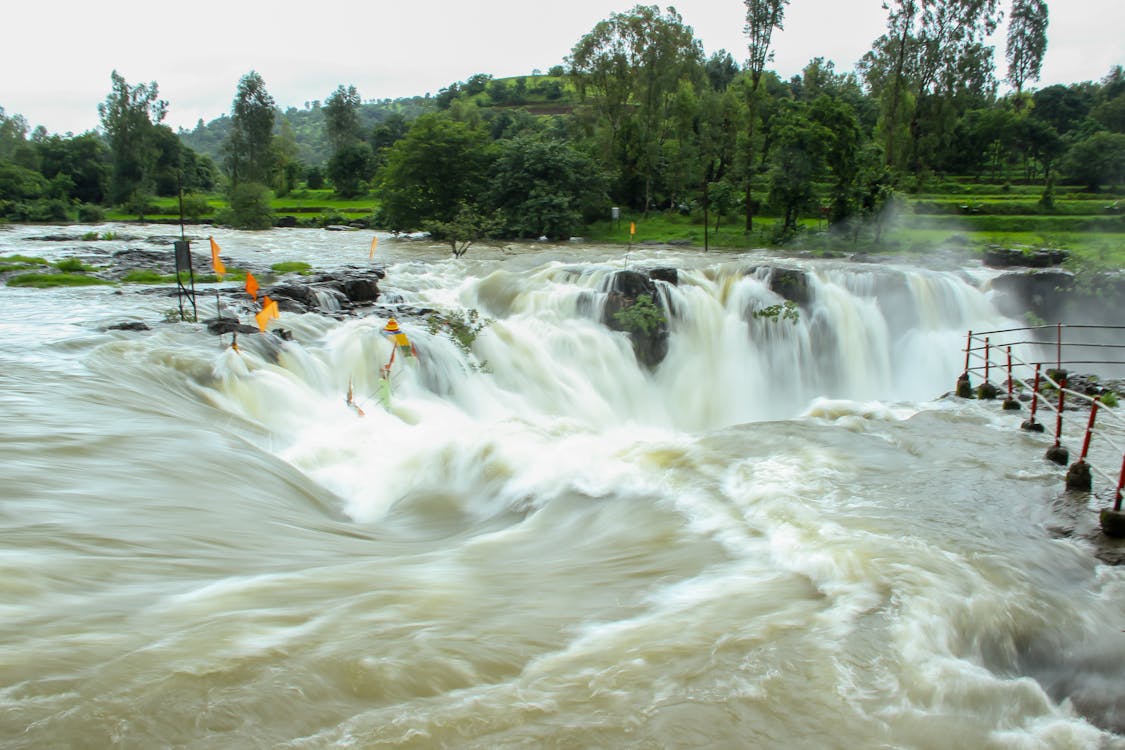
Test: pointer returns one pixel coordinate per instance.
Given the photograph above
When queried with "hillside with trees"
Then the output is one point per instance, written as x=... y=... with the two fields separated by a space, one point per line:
x=641 y=119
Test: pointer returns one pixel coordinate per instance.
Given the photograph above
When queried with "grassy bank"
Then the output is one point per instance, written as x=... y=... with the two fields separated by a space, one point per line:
x=956 y=212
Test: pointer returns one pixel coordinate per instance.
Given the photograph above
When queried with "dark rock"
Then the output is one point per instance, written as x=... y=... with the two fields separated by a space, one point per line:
x=987 y=391
x=631 y=284
x=1079 y=477
x=361 y=290
x=668 y=275
x=964 y=387
x=1006 y=257
x=789 y=283
x=132 y=325
x=223 y=326
x=286 y=222
x=1112 y=522
x=1043 y=293
x=623 y=289
x=1057 y=454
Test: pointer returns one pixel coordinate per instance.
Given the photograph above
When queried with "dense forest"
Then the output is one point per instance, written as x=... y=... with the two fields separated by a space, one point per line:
x=638 y=117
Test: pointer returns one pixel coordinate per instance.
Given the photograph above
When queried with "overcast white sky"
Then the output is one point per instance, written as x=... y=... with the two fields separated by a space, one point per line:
x=56 y=59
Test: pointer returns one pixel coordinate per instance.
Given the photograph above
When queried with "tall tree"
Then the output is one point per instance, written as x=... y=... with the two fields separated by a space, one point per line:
x=249 y=156
x=762 y=18
x=1027 y=42
x=341 y=117
x=435 y=170
x=630 y=67
x=926 y=42
x=129 y=117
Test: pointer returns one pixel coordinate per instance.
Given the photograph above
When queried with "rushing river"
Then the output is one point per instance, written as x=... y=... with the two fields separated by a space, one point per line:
x=781 y=537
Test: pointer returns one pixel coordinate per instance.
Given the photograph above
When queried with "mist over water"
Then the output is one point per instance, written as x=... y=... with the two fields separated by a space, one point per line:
x=781 y=536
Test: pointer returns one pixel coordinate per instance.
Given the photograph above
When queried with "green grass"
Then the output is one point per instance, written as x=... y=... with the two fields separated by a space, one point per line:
x=47 y=280
x=292 y=266
x=72 y=265
x=20 y=263
x=147 y=276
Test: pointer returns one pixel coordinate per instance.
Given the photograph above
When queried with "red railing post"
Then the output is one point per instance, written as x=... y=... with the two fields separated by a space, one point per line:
x=1035 y=394
x=987 y=357
x=968 y=348
x=1089 y=430
x=1120 y=486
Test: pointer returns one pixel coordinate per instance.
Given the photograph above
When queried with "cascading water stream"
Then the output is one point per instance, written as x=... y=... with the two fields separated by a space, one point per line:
x=779 y=534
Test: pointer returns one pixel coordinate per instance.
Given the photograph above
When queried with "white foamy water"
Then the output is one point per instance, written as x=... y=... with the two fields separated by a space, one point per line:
x=782 y=536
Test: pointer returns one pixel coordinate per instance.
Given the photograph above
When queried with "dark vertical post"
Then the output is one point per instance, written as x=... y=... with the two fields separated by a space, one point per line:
x=1058 y=346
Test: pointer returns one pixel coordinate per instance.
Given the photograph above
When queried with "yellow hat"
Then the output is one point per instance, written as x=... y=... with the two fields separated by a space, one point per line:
x=392 y=325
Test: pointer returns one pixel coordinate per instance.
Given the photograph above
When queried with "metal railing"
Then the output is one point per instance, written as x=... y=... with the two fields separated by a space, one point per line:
x=989 y=351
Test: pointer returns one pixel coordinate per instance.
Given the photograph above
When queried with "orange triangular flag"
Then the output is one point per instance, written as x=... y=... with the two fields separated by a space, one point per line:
x=251 y=285
x=374 y=242
x=266 y=301
x=216 y=262
x=632 y=227
x=262 y=318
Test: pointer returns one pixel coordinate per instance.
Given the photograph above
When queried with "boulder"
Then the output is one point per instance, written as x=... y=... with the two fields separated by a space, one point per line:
x=622 y=291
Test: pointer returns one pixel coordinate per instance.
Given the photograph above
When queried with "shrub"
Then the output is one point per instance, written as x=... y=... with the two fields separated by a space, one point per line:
x=195 y=206
x=72 y=265
x=641 y=317
x=91 y=213
x=462 y=327
x=249 y=207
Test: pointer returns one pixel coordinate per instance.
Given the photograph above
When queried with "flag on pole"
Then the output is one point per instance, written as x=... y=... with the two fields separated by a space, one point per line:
x=632 y=228
x=374 y=242
x=266 y=301
x=251 y=285
x=216 y=262
x=263 y=318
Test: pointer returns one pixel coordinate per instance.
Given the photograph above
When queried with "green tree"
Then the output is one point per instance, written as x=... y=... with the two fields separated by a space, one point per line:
x=629 y=67
x=1098 y=160
x=437 y=167
x=249 y=153
x=841 y=153
x=129 y=117
x=796 y=162
x=545 y=187
x=341 y=117
x=466 y=226
x=249 y=207
x=763 y=17
x=350 y=168
x=83 y=159
x=1027 y=42
x=926 y=46
x=13 y=134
